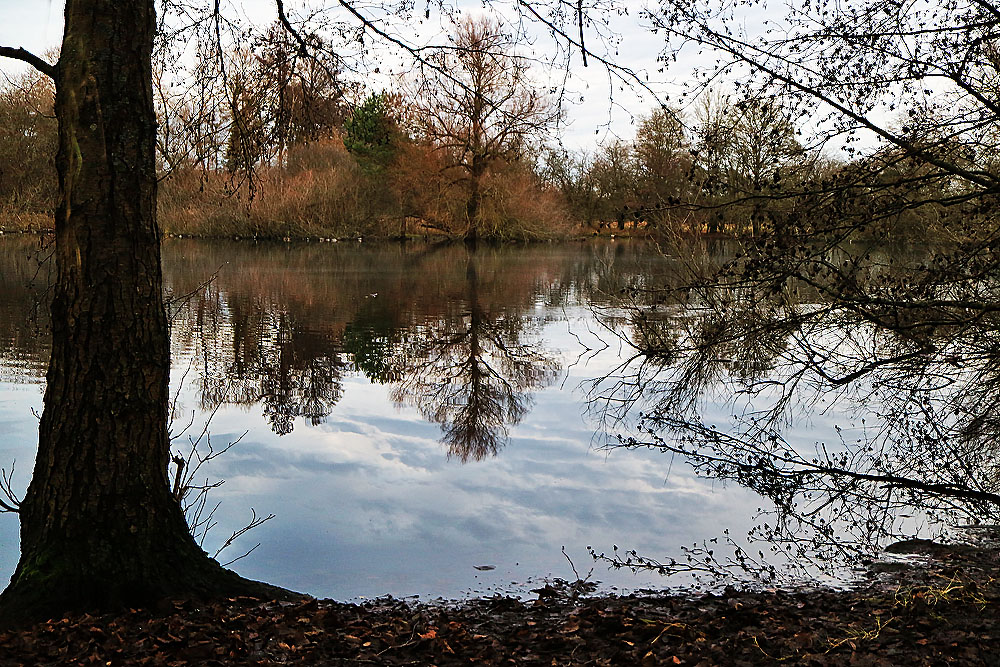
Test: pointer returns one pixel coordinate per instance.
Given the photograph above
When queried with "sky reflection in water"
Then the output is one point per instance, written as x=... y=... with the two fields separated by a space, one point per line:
x=382 y=479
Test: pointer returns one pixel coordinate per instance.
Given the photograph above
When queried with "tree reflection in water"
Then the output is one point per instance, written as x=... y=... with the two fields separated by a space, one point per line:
x=472 y=375
x=25 y=273
x=253 y=354
x=913 y=381
x=460 y=350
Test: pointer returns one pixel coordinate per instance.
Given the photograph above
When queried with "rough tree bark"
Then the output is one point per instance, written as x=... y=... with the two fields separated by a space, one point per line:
x=99 y=526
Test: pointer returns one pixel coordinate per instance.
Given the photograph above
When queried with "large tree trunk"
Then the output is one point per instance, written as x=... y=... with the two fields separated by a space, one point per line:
x=99 y=526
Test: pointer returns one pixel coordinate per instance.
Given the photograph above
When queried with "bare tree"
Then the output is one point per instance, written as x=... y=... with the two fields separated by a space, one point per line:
x=484 y=110
x=663 y=164
x=614 y=175
x=28 y=139
x=746 y=154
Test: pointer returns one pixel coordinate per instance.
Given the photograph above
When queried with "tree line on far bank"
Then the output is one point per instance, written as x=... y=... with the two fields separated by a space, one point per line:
x=283 y=146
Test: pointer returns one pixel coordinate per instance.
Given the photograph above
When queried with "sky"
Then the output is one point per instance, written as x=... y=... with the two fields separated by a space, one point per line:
x=593 y=114
x=33 y=24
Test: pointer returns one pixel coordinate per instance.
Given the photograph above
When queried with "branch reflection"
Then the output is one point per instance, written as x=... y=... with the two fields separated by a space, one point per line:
x=471 y=371
x=861 y=423
x=452 y=334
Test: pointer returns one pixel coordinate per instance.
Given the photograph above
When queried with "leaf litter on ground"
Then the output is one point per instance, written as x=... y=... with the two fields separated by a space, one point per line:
x=944 y=612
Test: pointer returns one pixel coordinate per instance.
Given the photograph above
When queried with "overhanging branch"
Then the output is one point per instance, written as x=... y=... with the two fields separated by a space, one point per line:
x=30 y=58
x=286 y=24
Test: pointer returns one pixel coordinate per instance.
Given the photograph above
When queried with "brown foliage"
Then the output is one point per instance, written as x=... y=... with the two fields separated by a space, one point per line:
x=517 y=206
x=27 y=150
x=321 y=193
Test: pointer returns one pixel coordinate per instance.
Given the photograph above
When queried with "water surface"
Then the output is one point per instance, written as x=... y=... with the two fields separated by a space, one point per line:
x=415 y=416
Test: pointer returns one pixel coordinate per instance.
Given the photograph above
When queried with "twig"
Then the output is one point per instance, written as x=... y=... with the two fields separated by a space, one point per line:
x=253 y=523
x=12 y=502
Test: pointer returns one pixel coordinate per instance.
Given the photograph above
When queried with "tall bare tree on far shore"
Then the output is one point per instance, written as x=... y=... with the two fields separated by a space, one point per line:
x=481 y=107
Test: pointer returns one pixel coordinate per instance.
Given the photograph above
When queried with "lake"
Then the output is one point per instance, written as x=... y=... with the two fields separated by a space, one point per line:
x=419 y=419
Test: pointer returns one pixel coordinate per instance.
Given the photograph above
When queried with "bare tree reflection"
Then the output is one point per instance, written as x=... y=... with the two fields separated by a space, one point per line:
x=301 y=377
x=25 y=273
x=459 y=348
x=472 y=373
x=727 y=375
x=255 y=354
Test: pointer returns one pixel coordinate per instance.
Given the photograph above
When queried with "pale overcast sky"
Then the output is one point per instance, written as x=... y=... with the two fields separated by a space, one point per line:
x=37 y=24
x=34 y=24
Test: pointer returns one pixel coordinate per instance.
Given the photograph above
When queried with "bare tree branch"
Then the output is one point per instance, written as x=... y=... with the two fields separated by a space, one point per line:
x=30 y=58
x=286 y=24
x=10 y=502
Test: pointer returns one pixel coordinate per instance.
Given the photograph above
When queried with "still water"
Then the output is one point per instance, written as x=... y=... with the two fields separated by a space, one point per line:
x=416 y=417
